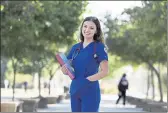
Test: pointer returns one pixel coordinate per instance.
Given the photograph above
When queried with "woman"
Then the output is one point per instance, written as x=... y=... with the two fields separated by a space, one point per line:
x=86 y=58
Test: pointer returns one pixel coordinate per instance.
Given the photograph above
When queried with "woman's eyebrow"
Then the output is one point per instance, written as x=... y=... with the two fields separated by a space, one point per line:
x=87 y=25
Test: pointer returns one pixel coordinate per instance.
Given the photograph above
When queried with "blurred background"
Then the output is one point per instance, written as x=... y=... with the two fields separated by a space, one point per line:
x=32 y=32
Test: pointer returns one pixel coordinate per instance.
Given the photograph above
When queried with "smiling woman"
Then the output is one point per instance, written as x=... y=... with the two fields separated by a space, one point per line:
x=84 y=89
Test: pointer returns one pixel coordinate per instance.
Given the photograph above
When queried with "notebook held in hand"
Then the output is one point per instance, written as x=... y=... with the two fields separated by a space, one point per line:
x=62 y=59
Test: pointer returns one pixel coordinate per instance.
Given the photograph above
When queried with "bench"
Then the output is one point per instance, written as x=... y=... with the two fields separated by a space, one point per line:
x=147 y=104
x=29 y=105
x=10 y=106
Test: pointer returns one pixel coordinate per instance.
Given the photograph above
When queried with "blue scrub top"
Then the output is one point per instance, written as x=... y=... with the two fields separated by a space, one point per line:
x=85 y=64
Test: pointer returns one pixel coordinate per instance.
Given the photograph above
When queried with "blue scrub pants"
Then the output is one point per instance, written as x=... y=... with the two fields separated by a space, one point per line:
x=86 y=99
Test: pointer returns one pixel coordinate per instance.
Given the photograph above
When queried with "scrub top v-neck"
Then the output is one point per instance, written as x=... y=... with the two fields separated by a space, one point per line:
x=85 y=64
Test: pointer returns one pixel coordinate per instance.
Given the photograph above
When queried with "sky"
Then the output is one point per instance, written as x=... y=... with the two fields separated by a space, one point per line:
x=115 y=8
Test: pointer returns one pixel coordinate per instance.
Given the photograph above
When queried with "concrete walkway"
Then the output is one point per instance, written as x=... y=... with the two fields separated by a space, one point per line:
x=107 y=105
x=107 y=102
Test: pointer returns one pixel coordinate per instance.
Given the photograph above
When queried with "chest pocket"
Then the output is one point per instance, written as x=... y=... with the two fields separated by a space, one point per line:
x=93 y=58
x=92 y=63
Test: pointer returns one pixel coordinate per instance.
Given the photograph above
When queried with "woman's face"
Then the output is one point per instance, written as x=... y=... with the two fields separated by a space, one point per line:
x=88 y=29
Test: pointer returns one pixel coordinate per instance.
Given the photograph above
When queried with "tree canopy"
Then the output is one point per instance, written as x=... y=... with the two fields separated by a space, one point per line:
x=143 y=37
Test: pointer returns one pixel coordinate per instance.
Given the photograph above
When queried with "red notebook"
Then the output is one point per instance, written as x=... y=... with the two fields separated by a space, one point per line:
x=62 y=59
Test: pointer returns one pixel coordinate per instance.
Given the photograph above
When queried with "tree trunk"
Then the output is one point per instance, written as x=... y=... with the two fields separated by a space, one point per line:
x=159 y=81
x=148 y=84
x=13 y=86
x=153 y=85
x=14 y=78
x=49 y=88
x=51 y=76
x=39 y=81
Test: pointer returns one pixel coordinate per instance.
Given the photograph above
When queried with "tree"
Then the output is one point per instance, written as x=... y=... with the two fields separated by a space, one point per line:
x=32 y=29
x=142 y=39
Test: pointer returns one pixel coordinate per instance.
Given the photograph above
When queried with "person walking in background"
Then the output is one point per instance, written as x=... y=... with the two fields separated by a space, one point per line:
x=122 y=87
x=25 y=83
x=86 y=57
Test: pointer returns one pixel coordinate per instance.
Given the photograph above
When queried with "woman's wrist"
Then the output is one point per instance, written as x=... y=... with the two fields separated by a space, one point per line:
x=96 y=76
x=92 y=78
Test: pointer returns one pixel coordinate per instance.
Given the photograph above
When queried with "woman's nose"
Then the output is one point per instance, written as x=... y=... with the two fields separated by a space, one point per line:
x=87 y=29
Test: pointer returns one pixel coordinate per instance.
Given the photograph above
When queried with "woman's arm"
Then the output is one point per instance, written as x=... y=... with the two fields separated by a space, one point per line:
x=102 y=73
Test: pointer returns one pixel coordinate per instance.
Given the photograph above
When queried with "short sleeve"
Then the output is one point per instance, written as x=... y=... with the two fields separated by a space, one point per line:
x=102 y=52
x=70 y=53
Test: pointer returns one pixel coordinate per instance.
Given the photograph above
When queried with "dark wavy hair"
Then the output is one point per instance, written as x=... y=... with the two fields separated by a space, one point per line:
x=99 y=35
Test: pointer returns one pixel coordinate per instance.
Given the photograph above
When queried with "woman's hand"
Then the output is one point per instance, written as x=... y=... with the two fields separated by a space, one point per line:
x=89 y=78
x=64 y=69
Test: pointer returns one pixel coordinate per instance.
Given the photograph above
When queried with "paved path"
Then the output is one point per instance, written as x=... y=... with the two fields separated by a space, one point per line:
x=107 y=105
